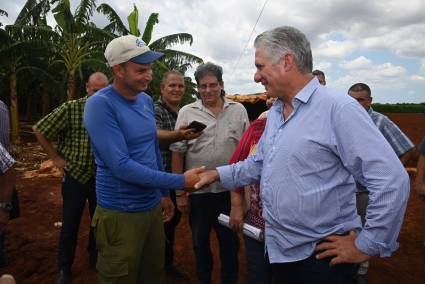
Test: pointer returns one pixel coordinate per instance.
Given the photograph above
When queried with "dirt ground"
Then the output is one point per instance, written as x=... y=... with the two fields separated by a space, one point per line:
x=32 y=241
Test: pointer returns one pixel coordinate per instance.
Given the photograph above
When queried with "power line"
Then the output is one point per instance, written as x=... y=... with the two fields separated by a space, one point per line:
x=250 y=36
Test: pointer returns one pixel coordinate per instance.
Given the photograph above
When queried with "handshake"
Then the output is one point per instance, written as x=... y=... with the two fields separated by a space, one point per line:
x=197 y=178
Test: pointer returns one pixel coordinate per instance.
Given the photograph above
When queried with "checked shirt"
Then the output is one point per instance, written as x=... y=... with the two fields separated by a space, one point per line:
x=65 y=124
x=165 y=120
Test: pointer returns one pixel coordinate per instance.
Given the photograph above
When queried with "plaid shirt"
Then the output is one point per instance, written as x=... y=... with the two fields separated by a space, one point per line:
x=397 y=139
x=4 y=126
x=6 y=161
x=65 y=124
x=166 y=120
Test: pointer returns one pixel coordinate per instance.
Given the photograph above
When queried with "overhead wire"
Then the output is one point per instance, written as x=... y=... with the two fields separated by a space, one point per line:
x=250 y=36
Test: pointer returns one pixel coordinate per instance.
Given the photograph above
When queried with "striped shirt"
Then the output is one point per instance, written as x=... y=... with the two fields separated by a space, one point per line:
x=306 y=163
x=165 y=120
x=4 y=126
x=397 y=139
x=65 y=124
x=6 y=161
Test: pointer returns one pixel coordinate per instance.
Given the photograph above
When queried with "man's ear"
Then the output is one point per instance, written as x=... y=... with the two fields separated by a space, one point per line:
x=288 y=61
x=117 y=70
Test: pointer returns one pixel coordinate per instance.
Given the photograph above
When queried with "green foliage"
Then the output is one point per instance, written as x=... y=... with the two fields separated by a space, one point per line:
x=115 y=24
x=133 y=22
x=151 y=22
x=402 y=108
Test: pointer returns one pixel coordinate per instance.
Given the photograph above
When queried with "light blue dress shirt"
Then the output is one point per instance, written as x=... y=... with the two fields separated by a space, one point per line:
x=306 y=164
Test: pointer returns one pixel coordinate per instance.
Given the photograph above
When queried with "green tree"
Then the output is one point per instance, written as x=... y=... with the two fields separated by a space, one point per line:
x=173 y=59
x=18 y=44
x=81 y=41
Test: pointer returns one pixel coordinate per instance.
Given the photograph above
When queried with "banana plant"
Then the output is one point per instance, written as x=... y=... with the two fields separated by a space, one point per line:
x=173 y=59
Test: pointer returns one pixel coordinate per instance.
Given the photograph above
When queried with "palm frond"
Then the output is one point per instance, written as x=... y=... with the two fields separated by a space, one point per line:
x=170 y=40
x=133 y=22
x=179 y=57
x=96 y=37
x=151 y=22
x=3 y=13
x=84 y=11
x=33 y=13
x=63 y=16
x=115 y=25
x=22 y=17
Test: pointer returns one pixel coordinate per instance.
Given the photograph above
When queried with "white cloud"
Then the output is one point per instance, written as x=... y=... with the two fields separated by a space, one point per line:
x=334 y=49
x=417 y=78
x=338 y=30
x=358 y=63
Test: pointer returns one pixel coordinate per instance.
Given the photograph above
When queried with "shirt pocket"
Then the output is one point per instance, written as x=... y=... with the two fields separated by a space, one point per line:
x=235 y=131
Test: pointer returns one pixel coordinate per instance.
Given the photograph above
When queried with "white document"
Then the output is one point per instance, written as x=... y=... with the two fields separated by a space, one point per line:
x=248 y=230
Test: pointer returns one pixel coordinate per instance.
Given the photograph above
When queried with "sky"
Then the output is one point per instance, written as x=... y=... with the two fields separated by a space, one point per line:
x=380 y=43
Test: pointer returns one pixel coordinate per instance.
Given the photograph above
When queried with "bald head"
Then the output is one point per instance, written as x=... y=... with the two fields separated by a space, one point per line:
x=96 y=81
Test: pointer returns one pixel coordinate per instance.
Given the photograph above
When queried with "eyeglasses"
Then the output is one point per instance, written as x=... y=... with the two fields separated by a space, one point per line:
x=203 y=87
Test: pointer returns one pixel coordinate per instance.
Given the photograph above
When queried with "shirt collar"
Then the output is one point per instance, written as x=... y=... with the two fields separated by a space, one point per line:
x=164 y=105
x=198 y=103
x=305 y=94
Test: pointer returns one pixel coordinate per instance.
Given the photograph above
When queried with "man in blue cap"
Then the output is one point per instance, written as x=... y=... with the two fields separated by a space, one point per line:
x=132 y=189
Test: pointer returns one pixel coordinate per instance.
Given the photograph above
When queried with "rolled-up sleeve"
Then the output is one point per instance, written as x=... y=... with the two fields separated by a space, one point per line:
x=372 y=161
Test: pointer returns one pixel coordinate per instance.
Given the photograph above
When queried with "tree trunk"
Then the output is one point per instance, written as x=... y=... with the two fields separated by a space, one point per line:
x=72 y=91
x=16 y=139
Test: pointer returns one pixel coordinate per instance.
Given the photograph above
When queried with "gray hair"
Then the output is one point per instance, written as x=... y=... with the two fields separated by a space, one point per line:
x=285 y=39
x=209 y=69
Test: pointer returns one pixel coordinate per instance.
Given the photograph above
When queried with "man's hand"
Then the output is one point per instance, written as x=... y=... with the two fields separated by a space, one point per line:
x=342 y=250
x=236 y=218
x=167 y=209
x=59 y=162
x=182 y=202
x=188 y=133
x=191 y=177
x=206 y=178
x=4 y=219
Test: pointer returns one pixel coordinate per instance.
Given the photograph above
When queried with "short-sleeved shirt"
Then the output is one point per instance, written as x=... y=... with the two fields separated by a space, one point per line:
x=397 y=139
x=166 y=120
x=6 y=161
x=65 y=124
x=217 y=142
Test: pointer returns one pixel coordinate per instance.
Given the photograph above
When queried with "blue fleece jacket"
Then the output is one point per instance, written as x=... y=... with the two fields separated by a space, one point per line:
x=129 y=174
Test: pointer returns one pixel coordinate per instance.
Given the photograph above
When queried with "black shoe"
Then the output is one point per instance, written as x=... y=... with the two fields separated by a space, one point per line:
x=177 y=273
x=64 y=277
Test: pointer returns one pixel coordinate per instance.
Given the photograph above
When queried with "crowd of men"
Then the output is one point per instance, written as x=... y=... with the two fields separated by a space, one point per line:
x=320 y=173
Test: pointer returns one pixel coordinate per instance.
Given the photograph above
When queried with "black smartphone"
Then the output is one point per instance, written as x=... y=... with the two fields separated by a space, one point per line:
x=197 y=126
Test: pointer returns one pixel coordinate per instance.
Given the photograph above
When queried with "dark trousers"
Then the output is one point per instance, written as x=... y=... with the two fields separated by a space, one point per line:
x=258 y=268
x=313 y=271
x=170 y=230
x=74 y=195
x=204 y=210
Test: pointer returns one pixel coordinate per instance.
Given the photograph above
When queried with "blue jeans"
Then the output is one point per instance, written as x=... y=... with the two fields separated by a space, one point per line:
x=258 y=268
x=312 y=270
x=204 y=210
x=74 y=195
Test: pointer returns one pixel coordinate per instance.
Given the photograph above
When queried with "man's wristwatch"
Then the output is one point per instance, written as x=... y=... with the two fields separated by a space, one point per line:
x=6 y=206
